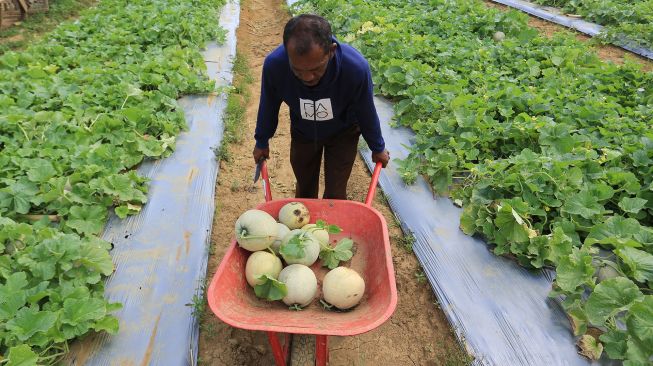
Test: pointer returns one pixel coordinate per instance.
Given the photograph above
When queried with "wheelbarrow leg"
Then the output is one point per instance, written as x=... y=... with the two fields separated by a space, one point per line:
x=321 y=350
x=280 y=353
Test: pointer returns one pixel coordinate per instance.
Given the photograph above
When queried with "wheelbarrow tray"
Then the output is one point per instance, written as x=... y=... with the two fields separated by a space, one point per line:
x=234 y=302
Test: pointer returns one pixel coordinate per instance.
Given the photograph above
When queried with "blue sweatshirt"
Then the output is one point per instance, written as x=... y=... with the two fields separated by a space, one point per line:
x=342 y=97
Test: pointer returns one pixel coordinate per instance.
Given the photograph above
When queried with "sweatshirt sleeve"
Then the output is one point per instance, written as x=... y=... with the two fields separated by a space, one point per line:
x=368 y=119
x=268 y=108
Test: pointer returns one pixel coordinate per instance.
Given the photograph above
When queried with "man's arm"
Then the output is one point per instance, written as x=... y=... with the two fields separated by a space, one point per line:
x=268 y=114
x=368 y=120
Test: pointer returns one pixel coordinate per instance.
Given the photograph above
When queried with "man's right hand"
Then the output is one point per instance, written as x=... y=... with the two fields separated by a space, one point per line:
x=260 y=154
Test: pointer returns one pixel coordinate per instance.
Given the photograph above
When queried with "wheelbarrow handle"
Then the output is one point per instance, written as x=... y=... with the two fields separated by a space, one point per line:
x=373 y=183
x=266 y=181
x=370 y=192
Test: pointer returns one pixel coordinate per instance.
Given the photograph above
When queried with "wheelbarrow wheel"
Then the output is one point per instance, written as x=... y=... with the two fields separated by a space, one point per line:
x=302 y=350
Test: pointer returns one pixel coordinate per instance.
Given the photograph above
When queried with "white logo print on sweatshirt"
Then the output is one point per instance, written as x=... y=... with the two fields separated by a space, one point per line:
x=319 y=110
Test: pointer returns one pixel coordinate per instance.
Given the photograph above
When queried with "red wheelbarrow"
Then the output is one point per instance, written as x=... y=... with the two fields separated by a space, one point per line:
x=234 y=301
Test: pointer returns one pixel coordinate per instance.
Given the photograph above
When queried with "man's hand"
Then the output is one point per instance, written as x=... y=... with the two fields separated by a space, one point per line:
x=383 y=157
x=260 y=154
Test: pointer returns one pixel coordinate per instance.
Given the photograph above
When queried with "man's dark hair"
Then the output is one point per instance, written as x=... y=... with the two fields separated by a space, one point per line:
x=307 y=30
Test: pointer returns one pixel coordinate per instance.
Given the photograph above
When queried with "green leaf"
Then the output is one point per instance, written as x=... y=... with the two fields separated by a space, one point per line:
x=39 y=170
x=614 y=342
x=511 y=226
x=560 y=245
x=627 y=180
x=108 y=324
x=616 y=231
x=584 y=203
x=294 y=247
x=468 y=219
x=601 y=191
x=610 y=297
x=574 y=270
x=331 y=229
x=151 y=147
x=632 y=205
x=87 y=220
x=557 y=136
x=29 y=321
x=122 y=211
x=637 y=354
x=121 y=186
x=640 y=158
x=22 y=356
x=331 y=257
x=271 y=289
x=78 y=311
x=18 y=196
x=128 y=209
x=96 y=258
x=578 y=318
x=640 y=322
x=13 y=295
x=639 y=263
x=557 y=60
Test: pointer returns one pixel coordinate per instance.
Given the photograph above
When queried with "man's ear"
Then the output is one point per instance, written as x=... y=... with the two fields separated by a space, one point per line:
x=333 y=47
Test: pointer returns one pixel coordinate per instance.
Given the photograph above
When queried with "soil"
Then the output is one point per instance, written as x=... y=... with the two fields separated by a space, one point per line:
x=418 y=333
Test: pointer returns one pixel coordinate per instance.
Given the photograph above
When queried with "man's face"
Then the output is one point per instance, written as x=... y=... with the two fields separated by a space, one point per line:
x=310 y=67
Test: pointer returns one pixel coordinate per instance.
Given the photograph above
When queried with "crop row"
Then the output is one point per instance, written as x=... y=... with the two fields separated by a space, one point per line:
x=547 y=148
x=632 y=19
x=79 y=111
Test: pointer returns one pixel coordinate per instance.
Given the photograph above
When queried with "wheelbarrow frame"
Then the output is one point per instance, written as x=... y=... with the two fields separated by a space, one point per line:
x=229 y=293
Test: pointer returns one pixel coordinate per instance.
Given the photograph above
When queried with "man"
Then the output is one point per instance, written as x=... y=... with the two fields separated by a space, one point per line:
x=328 y=89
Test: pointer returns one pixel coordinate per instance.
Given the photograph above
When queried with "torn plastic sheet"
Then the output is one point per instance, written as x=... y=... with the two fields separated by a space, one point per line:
x=555 y=16
x=161 y=254
x=500 y=311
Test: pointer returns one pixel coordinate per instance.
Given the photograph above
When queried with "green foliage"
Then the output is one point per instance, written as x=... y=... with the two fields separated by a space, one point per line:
x=295 y=247
x=547 y=148
x=329 y=228
x=51 y=287
x=332 y=256
x=271 y=289
x=32 y=27
x=632 y=19
x=79 y=111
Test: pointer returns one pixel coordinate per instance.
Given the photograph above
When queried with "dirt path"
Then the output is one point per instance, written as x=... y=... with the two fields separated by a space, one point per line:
x=418 y=332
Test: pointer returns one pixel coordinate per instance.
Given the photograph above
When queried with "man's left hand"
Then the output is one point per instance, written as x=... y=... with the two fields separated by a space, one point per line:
x=382 y=156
